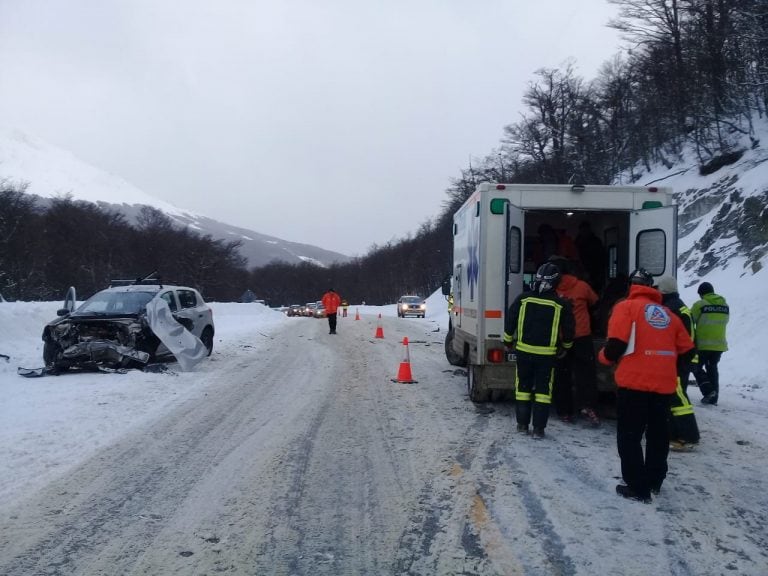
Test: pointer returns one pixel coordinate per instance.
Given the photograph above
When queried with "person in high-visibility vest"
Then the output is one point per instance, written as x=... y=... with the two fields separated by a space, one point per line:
x=539 y=327
x=344 y=306
x=711 y=315
x=683 y=429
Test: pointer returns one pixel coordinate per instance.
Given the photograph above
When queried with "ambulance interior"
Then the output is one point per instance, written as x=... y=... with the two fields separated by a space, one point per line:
x=604 y=267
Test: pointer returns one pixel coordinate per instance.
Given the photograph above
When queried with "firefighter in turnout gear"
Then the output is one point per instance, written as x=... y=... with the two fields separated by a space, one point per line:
x=539 y=326
x=645 y=339
x=683 y=429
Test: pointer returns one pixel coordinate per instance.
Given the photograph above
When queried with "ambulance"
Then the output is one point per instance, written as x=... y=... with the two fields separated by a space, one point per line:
x=497 y=247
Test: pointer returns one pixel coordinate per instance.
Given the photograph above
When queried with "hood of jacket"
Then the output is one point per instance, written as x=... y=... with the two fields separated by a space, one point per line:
x=637 y=291
x=567 y=281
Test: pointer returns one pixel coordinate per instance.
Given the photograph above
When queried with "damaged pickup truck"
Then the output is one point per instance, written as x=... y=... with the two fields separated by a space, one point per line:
x=129 y=326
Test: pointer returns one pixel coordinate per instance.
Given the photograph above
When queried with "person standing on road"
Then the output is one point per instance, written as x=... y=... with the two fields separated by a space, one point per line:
x=645 y=339
x=711 y=317
x=578 y=366
x=539 y=326
x=683 y=429
x=331 y=302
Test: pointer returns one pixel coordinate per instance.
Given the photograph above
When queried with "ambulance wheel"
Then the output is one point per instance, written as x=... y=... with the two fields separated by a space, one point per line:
x=477 y=393
x=454 y=358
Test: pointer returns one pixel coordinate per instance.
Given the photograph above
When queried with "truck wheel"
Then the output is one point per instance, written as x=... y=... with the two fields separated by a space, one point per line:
x=477 y=392
x=454 y=358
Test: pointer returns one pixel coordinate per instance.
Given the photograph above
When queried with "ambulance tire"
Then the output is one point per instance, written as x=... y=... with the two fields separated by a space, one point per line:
x=477 y=393
x=454 y=358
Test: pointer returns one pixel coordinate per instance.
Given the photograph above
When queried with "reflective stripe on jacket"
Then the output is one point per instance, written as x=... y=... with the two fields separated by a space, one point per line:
x=654 y=336
x=539 y=322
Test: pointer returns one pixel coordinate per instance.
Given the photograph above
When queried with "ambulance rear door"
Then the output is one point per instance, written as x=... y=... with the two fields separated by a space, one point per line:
x=514 y=254
x=653 y=240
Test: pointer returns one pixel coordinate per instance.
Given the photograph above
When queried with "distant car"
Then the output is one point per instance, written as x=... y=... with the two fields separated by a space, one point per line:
x=319 y=311
x=294 y=310
x=111 y=328
x=309 y=309
x=411 y=306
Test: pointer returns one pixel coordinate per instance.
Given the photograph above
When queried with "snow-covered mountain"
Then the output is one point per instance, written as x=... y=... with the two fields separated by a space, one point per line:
x=723 y=211
x=49 y=171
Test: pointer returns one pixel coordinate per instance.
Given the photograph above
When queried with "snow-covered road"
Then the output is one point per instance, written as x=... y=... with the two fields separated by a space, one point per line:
x=292 y=452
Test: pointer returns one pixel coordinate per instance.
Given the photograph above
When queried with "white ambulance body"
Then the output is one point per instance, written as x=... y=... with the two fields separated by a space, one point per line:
x=495 y=233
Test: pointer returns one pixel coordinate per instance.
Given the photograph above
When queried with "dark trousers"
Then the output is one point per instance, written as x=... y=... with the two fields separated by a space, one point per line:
x=575 y=374
x=332 y=322
x=637 y=414
x=533 y=388
x=682 y=421
x=706 y=373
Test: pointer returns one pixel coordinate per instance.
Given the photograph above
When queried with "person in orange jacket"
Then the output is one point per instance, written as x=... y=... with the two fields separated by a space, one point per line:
x=644 y=339
x=331 y=302
x=577 y=369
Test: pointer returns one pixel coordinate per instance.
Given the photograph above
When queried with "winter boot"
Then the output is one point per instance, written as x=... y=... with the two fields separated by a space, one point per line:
x=630 y=494
x=590 y=417
x=538 y=433
x=681 y=446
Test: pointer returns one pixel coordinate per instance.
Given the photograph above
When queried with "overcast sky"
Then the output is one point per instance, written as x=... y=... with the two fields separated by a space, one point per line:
x=292 y=117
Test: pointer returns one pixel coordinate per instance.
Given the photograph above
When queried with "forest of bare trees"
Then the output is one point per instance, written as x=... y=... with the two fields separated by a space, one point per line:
x=693 y=73
x=44 y=250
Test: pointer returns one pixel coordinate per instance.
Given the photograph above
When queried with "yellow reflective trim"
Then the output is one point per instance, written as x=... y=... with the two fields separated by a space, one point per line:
x=682 y=410
x=685 y=310
x=541 y=350
x=522 y=396
x=685 y=406
x=547 y=398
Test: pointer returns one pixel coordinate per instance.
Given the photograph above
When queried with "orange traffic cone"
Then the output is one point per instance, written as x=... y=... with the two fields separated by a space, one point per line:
x=404 y=375
x=357 y=314
x=379 y=329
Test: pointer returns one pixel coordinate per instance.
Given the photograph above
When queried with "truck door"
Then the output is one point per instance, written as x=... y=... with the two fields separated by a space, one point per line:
x=653 y=240
x=514 y=254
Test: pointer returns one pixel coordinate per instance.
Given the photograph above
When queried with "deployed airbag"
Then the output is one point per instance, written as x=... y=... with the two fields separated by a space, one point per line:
x=185 y=346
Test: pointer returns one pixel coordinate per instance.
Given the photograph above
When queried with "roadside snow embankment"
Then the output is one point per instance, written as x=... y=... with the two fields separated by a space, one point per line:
x=48 y=425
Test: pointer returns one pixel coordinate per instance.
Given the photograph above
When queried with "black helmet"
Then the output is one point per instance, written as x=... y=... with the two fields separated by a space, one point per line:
x=547 y=277
x=642 y=277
